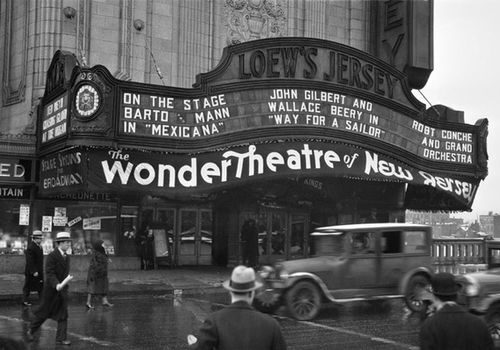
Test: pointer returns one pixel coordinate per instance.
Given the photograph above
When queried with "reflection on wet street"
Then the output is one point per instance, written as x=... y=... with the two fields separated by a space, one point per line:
x=164 y=323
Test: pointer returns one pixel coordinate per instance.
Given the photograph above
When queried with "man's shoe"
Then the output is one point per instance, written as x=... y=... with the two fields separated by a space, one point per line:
x=63 y=342
x=26 y=303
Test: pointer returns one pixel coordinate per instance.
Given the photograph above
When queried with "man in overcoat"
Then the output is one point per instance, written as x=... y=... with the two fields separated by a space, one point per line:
x=54 y=304
x=452 y=327
x=33 y=270
x=250 y=240
x=240 y=326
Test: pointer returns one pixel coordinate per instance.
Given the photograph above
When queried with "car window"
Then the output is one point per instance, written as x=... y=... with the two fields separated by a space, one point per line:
x=415 y=242
x=391 y=242
x=327 y=245
x=362 y=243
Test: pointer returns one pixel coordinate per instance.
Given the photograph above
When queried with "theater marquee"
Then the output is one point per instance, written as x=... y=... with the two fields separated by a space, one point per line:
x=273 y=101
x=164 y=117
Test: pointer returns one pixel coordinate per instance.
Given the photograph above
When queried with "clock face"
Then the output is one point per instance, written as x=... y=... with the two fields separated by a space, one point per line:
x=87 y=101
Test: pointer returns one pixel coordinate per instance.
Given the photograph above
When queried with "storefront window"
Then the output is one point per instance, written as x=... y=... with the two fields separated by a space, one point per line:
x=86 y=222
x=13 y=236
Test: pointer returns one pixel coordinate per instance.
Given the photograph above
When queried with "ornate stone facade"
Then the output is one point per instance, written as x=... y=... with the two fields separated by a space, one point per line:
x=254 y=19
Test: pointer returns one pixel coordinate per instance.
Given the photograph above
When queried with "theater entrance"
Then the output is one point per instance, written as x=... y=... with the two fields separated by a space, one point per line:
x=282 y=235
x=184 y=235
x=195 y=237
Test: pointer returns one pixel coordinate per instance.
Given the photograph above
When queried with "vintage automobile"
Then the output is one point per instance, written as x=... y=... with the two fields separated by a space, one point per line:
x=480 y=291
x=349 y=263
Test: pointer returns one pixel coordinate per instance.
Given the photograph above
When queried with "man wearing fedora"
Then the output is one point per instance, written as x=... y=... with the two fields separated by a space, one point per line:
x=33 y=270
x=452 y=327
x=54 y=304
x=240 y=326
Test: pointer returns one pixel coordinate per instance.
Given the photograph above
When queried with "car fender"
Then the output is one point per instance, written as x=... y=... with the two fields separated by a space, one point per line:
x=486 y=303
x=294 y=278
x=408 y=275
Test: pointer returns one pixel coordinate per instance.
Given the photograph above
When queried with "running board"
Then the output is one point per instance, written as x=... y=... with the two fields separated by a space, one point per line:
x=367 y=298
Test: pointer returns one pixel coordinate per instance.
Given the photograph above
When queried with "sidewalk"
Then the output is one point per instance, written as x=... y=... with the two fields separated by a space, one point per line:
x=191 y=280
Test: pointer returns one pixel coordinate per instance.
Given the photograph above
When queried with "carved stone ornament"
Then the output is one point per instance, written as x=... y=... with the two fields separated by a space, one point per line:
x=253 y=19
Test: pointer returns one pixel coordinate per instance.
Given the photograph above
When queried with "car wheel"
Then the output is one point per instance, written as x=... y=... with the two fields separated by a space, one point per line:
x=267 y=301
x=492 y=319
x=303 y=301
x=416 y=285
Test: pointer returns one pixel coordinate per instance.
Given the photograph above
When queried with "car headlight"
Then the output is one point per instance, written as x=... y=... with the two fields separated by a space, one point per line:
x=472 y=287
x=266 y=272
x=280 y=271
x=283 y=274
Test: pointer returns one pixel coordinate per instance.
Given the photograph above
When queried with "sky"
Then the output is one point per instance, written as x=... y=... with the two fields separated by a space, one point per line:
x=466 y=77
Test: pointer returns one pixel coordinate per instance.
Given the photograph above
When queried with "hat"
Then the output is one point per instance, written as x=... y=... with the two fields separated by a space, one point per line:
x=242 y=280
x=63 y=236
x=444 y=284
x=37 y=234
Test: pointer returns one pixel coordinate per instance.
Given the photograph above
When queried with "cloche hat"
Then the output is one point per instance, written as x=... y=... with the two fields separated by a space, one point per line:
x=444 y=284
x=63 y=236
x=242 y=280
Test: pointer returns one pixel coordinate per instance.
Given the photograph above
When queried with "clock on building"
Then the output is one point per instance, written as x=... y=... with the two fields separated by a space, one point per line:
x=87 y=101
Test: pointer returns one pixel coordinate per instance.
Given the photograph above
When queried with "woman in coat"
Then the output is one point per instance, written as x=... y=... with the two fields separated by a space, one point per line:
x=97 y=277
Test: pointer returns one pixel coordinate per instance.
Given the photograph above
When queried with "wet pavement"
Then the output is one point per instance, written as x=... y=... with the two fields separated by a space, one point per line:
x=157 y=309
x=164 y=321
x=130 y=282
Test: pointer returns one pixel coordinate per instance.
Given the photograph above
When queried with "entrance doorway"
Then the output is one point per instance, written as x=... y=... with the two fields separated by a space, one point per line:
x=281 y=235
x=195 y=237
x=161 y=221
x=188 y=233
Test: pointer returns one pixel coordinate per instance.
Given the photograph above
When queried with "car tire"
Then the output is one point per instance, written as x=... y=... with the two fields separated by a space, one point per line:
x=303 y=301
x=492 y=319
x=414 y=288
x=267 y=301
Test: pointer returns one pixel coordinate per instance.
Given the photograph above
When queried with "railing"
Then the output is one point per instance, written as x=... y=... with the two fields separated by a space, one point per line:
x=459 y=255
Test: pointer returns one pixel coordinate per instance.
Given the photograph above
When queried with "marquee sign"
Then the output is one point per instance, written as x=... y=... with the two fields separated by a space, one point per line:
x=165 y=117
x=55 y=119
x=61 y=172
x=133 y=171
x=15 y=170
x=17 y=192
x=271 y=108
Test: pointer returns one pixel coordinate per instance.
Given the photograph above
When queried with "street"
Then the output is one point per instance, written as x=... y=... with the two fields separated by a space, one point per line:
x=147 y=322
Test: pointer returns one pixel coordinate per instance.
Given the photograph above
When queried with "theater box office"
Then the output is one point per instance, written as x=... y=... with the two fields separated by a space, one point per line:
x=293 y=133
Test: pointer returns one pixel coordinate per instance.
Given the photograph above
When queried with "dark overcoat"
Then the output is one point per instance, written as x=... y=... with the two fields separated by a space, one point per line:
x=250 y=238
x=453 y=328
x=54 y=303
x=97 y=276
x=240 y=326
x=34 y=263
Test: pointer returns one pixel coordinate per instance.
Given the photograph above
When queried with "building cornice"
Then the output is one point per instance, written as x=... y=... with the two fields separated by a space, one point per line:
x=18 y=144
